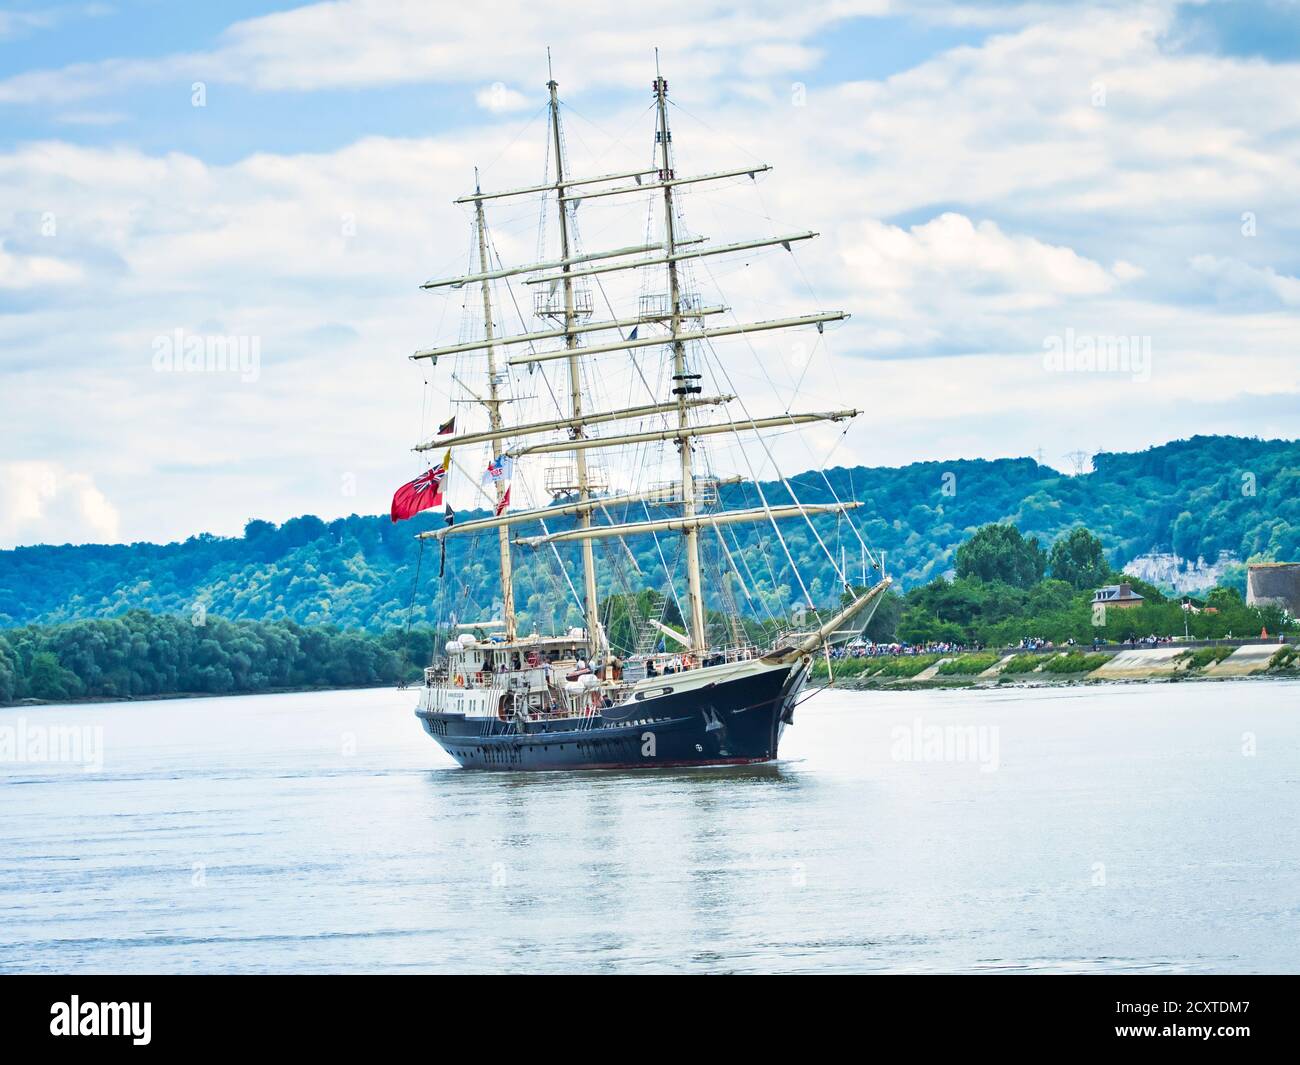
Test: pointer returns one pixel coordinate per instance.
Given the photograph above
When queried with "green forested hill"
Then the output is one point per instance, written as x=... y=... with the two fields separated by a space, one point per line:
x=1195 y=496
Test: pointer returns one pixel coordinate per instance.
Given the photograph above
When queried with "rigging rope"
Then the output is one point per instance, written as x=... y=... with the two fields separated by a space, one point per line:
x=410 y=610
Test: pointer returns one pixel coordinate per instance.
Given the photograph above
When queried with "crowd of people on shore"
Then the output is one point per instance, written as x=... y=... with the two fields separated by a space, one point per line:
x=864 y=649
x=895 y=650
x=1141 y=641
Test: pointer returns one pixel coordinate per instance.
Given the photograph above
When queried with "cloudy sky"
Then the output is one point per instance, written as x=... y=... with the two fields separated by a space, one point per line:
x=997 y=186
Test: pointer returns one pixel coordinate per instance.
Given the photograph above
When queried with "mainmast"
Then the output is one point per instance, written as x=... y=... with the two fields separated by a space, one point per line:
x=696 y=630
x=591 y=606
x=493 y=404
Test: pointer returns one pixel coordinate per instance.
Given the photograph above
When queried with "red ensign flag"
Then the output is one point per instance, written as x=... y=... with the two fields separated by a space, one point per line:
x=424 y=492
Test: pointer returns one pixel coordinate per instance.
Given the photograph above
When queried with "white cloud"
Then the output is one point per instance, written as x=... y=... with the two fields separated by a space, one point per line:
x=1236 y=280
x=363 y=43
x=90 y=118
x=43 y=502
x=499 y=98
x=955 y=252
x=951 y=284
x=32 y=271
x=14 y=24
x=19 y=24
x=969 y=207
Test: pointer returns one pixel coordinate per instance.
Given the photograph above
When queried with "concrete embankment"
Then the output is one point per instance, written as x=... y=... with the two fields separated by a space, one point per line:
x=998 y=666
x=1140 y=664
x=1167 y=662
x=930 y=672
x=1253 y=658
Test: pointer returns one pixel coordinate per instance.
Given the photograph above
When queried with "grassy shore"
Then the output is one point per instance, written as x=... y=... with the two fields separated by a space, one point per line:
x=985 y=669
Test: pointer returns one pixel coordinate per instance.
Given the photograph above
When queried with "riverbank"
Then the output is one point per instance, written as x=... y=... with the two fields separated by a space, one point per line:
x=93 y=700
x=139 y=655
x=1021 y=669
x=1168 y=663
x=1070 y=681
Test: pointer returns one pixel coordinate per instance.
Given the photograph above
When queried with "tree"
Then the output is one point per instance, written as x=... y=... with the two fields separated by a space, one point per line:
x=1222 y=598
x=8 y=672
x=883 y=624
x=49 y=680
x=918 y=626
x=999 y=553
x=1079 y=559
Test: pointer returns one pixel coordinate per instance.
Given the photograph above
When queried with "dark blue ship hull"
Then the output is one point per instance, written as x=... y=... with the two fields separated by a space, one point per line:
x=736 y=721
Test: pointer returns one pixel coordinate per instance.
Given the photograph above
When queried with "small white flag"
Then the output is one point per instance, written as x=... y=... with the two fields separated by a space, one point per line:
x=499 y=469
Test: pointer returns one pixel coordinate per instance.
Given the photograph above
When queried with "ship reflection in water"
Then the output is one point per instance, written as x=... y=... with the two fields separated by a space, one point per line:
x=1110 y=828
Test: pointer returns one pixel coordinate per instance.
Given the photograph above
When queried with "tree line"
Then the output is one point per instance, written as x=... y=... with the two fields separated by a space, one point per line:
x=1196 y=497
x=1006 y=587
x=141 y=654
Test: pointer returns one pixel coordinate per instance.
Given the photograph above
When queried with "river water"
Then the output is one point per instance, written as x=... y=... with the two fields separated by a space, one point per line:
x=1138 y=828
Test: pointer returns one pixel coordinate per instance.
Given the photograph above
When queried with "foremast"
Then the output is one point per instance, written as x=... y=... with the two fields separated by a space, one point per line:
x=495 y=421
x=697 y=631
x=591 y=604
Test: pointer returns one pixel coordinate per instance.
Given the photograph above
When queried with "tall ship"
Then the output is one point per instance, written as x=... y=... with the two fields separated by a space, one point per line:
x=589 y=430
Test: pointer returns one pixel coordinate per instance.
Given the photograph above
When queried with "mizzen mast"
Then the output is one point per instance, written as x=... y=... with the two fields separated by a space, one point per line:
x=682 y=380
x=493 y=404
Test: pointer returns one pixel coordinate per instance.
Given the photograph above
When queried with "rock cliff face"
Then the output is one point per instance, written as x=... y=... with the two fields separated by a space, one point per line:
x=1168 y=570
